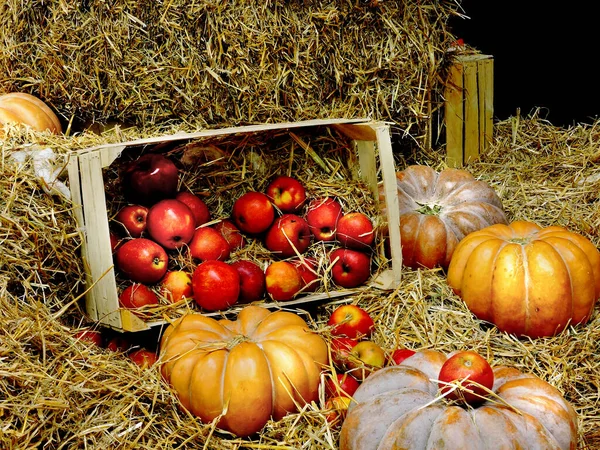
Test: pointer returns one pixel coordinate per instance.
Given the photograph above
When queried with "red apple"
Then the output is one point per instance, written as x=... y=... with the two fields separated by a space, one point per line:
x=351 y=321
x=176 y=285
x=133 y=219
x=337 y=408
x=469 y=371
x=322 y=218
x=142 y=260
x=308 y=273
x=150 y=178
x=282 y=280
x=118 y=344
x=209 y=244
x=231 y=233
x=288 y=236
x=286 y=193
x=115 y=241
x=252 y=281
x=355 y=230
x=216 y=285
x=253 y=213
x=340 y=349
x=199 y=209
x=143 y=358
x=90 y=336
x=170 y=223
x=350 y=268
x=340 y=384
x=365 y=358
x=400 y=354
x=137 y=295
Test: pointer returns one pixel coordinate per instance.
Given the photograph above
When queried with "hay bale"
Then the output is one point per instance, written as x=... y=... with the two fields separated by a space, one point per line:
x=228 y=63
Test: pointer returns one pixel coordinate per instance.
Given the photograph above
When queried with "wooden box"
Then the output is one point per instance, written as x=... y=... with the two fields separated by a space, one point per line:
x=371 y=141
x=469 y=108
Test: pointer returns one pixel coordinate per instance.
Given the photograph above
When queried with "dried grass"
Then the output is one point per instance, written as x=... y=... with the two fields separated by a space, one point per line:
x=60 y=393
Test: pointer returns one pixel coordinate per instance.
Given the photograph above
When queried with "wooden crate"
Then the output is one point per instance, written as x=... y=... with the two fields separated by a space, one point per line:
x=469 y=108
x=373 y=147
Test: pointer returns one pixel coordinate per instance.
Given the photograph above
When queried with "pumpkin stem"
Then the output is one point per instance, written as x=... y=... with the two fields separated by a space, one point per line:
x=238 y=339
x=520 y=240
x=430 y=210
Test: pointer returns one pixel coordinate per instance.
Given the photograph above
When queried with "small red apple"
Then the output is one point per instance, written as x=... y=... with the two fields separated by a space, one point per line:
x=308 y=273
x=143 y=357
x=115 y=241
x=176 y=285
x=150 y=178
x=133 y=219
x=216 y=285
x=283 y=280
x=137 y=295
x=341 y=384
x=468 y=370
x=400 y=354
x=355 y=230
x=286 y=193
x=142 y=260
x=90 y=336
x=199 y=209
x=231 y=233
x=322 y=218
x=253 y=213
x=340 y=349
x=252 y=281
x=365 y=358
x=118 y=344
x=170 y=223
x=351 y=321
x=351 y=268
x=337 y=408
x=288 y=236
x=208 y=244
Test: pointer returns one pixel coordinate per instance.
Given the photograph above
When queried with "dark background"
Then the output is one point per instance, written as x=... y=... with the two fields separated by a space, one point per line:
x=544 y=56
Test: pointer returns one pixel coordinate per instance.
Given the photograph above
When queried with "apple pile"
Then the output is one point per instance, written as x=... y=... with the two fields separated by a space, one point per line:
x=168 y=248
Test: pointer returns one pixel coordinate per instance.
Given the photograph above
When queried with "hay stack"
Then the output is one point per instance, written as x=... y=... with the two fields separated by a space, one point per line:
x=228 y=63
x=58 y=392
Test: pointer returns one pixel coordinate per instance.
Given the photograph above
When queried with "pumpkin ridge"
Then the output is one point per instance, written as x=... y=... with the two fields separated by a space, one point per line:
x=526 y=280
x=492 y=304
x=570 y=277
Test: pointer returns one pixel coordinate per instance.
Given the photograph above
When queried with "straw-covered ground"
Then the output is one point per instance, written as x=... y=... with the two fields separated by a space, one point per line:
x=57 y=392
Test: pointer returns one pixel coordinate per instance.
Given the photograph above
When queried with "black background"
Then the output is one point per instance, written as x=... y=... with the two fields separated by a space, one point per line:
x=545 y=55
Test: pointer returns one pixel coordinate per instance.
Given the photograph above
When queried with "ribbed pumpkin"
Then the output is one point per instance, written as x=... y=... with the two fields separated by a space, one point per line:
x=19 y=107
x=438 y=209
x=255 y=368
x=398 y=407
x=525 y=279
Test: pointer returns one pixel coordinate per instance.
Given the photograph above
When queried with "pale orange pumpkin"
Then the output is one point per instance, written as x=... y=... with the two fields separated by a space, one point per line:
x=26 y=109
x=438 y=209
x=398 y=407
x=258 y=367
x=525 y=279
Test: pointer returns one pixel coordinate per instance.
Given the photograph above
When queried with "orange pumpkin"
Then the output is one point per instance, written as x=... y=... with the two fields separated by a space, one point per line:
x=438 y=209
x=26 y=109
x=399 y=407
x=525 y=279
x=258 y=367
